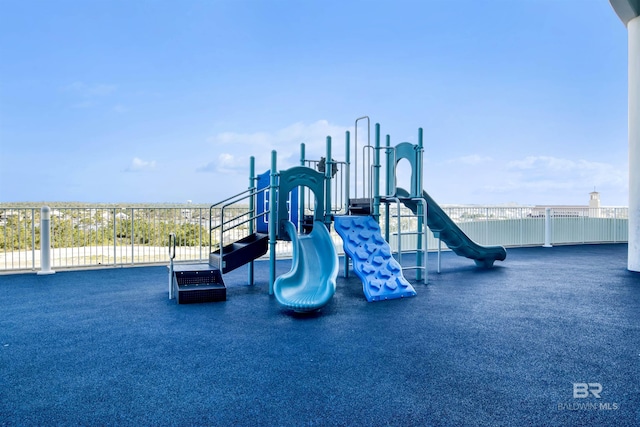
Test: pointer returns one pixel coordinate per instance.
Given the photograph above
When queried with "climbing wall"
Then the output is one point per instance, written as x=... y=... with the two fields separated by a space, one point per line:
x=373 y=262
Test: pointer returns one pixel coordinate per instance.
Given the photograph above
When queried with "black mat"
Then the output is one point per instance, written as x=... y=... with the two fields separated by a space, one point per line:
x=474 y=347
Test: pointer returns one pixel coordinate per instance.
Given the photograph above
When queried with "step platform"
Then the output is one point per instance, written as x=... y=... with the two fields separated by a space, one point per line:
x=360 y=206
x=195 y=283
x=241 y=252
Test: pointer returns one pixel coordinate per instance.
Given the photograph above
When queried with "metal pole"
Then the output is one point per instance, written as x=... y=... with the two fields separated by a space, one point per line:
x=133 y=249
x=547 y=228
x=252 y=188
x=200 y=234
x=355 y=157
x=389 y=191
x=347 y=156
x=376 y=176
x=45 y=241
x=422 y=211
x=33 y=238
x=172 y=255
x=327 y=182
x=439 y=253
x=272 y=221
x=301 y=201
x=114 y=237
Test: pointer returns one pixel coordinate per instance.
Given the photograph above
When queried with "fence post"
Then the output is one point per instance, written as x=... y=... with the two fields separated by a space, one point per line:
x=45 y=241
x=486 y=226
x=33 y=238
x=115 y=242
x=615 y=225
x=133 y=247
x=547 y=228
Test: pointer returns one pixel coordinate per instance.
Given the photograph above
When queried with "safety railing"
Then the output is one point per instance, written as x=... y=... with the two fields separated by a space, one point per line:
x=339 y=174
x=115 y=236
x=525 y=226
x=102 y=236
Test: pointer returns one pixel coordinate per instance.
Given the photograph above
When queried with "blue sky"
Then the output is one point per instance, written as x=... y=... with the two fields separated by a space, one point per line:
x=162 y=101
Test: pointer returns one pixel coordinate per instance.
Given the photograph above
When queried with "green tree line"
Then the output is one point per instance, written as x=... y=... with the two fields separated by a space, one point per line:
x=95 y=225
x=22 y=234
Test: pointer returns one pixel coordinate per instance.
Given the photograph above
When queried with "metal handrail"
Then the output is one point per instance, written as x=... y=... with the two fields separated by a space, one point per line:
x=397 y=201
x=237 y=198
x=355 y=150
x=172 y=238
x=230 y=201
x=338 y=203
x=368 y=149
x=172 y=255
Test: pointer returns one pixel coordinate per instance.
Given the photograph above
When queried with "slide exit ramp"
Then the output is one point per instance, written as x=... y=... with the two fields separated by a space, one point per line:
x=373 y=262
x=311 y=282
x=447 y=230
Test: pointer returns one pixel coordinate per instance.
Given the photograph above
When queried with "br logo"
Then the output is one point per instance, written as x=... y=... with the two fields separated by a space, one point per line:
x=583 y=390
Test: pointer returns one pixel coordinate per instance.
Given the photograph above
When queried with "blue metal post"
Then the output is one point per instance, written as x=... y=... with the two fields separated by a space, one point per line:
x=327 y=183
x=420 y=164
x=347 y=189
x=376 y=176
x=273 y=218
x=252 y=210
x=422 y=228
x=389 y=190
x=301 y=189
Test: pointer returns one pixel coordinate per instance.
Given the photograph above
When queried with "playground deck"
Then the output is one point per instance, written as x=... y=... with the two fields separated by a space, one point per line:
x=503 y=346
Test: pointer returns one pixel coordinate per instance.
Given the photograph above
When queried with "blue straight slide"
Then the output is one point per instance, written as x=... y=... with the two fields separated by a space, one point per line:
x=373 y=262
x=311 y=282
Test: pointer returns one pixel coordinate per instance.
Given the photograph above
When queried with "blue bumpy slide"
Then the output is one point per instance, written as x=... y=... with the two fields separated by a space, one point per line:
x=381 y=275
x=311 y=282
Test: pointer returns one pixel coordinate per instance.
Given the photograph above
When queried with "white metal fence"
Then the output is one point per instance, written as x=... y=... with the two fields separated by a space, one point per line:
x=524 y=226
x=118 y=236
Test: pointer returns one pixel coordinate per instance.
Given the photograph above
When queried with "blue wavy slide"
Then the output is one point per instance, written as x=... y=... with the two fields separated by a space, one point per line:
x=311 y=282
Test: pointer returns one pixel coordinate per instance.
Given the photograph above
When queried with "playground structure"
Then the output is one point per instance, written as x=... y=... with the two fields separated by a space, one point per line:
x=301 y=204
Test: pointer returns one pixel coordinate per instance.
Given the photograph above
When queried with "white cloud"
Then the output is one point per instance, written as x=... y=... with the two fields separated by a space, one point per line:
x=473 y=159
x=226 y=164
x=546 y=174
x=553 y=167
x=549 y=163
x=238 y=147
x=139 y=165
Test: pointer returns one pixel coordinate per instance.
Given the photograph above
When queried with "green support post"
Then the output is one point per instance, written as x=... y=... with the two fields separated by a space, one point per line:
x=327 y=183
x=252 y=189
x=390 y=190
x=301 y=202
x=422 y=226
x=273 y=218
x=347 y=156
x=419 y=163
x=347 y=189
x=376 y=176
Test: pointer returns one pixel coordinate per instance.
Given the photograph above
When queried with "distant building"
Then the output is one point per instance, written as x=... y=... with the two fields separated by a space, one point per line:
x=572 y=211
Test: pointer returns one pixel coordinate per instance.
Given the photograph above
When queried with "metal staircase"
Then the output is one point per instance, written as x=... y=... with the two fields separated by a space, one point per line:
x=233 y=242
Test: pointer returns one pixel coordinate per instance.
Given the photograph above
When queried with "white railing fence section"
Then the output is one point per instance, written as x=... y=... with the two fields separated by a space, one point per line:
x=119 y=236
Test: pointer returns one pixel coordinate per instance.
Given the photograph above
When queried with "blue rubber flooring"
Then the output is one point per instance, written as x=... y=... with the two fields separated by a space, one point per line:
x=499 y=347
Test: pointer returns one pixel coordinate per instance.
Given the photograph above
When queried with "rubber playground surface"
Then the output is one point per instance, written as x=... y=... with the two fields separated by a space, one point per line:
x=550 y=336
